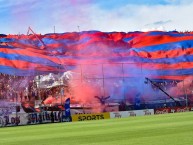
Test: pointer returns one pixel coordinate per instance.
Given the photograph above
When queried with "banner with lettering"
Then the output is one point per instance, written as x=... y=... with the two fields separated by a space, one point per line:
x=94 y=116
x=124 y=114
x=173 y=110
x=14 y=119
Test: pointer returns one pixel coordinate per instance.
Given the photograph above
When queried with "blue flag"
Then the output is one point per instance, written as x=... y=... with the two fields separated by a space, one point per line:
x=67 y=108
x=137 y=101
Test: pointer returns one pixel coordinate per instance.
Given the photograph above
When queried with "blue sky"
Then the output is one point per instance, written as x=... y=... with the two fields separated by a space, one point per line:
x=103 y=15
x=119 y=3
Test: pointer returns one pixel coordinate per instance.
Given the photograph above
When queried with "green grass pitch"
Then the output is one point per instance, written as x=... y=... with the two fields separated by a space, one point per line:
x=169 y=129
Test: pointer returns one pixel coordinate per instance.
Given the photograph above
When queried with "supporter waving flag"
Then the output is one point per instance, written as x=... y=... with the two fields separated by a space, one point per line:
x=67 y=115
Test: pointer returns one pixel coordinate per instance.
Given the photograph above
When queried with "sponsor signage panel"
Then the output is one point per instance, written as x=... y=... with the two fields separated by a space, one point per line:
x=124 y=114
x=94 y=116
x=121 y=114
x=173 y=110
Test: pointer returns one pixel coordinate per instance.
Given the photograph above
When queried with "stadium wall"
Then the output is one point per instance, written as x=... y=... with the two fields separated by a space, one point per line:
x=45 y=117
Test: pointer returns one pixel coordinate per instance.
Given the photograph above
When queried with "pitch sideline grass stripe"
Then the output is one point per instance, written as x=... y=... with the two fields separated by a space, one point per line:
x=172 y=129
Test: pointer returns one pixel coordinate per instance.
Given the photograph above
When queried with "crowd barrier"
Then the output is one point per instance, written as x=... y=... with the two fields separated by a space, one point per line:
x=45 y=117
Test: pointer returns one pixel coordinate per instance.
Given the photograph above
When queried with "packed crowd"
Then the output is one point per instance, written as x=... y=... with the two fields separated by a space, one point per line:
x=23 y=89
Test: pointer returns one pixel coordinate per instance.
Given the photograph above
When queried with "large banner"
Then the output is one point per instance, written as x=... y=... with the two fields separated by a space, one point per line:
x=124 y=114
x=45 y=117
x=94 y=116
x=33 y=118
x=173 y=110
x=14 y=119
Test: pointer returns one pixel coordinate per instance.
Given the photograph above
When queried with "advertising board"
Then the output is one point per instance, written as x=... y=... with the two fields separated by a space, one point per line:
x=173 y=110
x=124 y=114
x=94 y=116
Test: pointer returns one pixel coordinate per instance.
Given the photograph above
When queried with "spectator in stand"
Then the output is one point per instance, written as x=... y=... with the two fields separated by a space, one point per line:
x=122 y=106
x=21 y=96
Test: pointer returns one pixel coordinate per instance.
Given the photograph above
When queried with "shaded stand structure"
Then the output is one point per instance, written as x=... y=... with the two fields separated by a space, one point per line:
x=49 y=90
